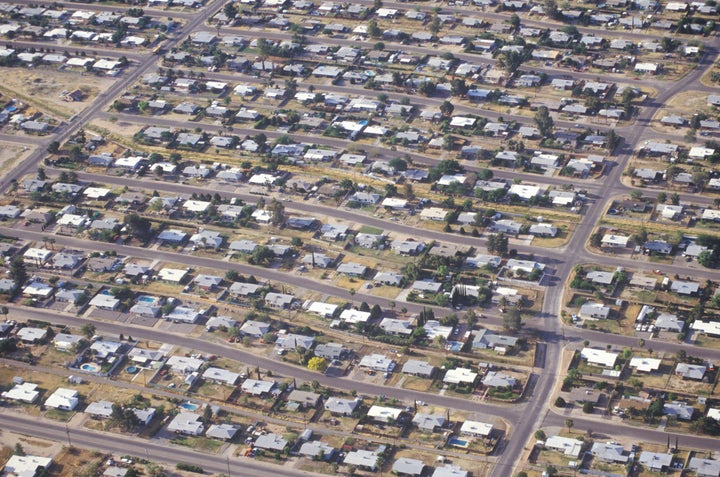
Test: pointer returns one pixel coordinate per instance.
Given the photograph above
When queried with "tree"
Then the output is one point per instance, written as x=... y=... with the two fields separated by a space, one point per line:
x=373 y=30
x=497 y=244
x=317 y=364
x=569 y=423
x=18 y=272
x=53 y=147
x=613 y=140
x=88 y=329
x=675 y=198
x=512 y=320
x=207 y=413
x=447 y=108
x=540 y=435
x=544 y=121
x=427 y=88
x=661 y=197
x=588 y=407
x=139 y=226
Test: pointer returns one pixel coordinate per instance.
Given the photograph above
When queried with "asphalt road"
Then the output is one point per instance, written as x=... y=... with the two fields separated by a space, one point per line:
x=154 y=449
x=525 y=417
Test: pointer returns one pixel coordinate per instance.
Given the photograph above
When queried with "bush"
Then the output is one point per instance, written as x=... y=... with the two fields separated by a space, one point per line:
x=588 y=408
x=560 y=402
x=190 y=468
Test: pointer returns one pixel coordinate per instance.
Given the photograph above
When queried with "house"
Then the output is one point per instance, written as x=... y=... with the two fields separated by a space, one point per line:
x=599 y=357
x=426 y=286
x=245 y=289
x=101 y=409
x=496 y=379
x=377 y=362
x=63 y=399
x=105 y=301
x=36 y=256
x=172 y=275
x=645 y=365
x=614 y=241
x=407 y=247
x=30 y=334
x=450 y=471
x=394 y=326
x=486 y=339
x=684 y=288
x=104 y=349
x=704 y=467
x=600 y=277
x=207 y=239
x=655 y=461
x=608 y=452
x=272 y=442
x=27 y=465
x=184 y=364
x=306 y=399
x=384 y=414
x=207 y=282
x=222 y=376
x=594 y=311
x=669 y=322
x=278 y=300
x=388 y=278
x=257 y=387
x=690 y=371
x=711 y=328
x=67 y=342
x=429 y=422
x=418 y=368
x=341 y=407
x=409 y=467
x=460 y=376
x=317 y=450
x=186 y=423
x=363 y=459
x=679 y=409
x=657 y=246
x=25 y=392
x=38 y=289
x=569 y=447
x=182 y=314
x=221 y=431
x=293 y=341
x=331 y=351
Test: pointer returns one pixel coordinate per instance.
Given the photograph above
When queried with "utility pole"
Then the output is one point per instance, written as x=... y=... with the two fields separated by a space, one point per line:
x=228 y=465
x=67 y=431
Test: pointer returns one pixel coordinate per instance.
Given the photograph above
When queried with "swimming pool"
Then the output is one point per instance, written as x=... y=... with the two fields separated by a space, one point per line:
x=189 y=406
x=91 y=367
x=458 y=442
x=146 y=299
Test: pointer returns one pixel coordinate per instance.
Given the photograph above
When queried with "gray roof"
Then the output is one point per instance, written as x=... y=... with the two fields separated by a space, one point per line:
x=417 y=367
x=316 y=448
x=654 y=460
x=221 y=431
x=341 y=406
x=403 y=465
x=609 y=452
x=704 y=467
x=271 y=441
x=679 y=409
x=429 y=422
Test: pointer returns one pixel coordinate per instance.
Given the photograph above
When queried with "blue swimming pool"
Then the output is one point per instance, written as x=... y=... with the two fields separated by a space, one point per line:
x=458 y=442
x=189 y=406
x=146 y=299
x=91 y=367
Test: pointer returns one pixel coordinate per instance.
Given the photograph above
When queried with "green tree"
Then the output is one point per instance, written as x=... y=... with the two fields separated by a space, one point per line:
x=17 y=270
x=88 y=329
x=497 y=244
x=512 y=320
x=447 y=108
x=544 y=121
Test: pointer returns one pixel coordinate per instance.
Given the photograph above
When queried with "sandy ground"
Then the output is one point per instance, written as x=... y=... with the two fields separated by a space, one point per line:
x=41 y=88
x=31 y=445
x=11 y=154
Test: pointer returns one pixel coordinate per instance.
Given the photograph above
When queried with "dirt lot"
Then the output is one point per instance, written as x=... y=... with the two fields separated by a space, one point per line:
x=30 y=85
x=11 y=154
